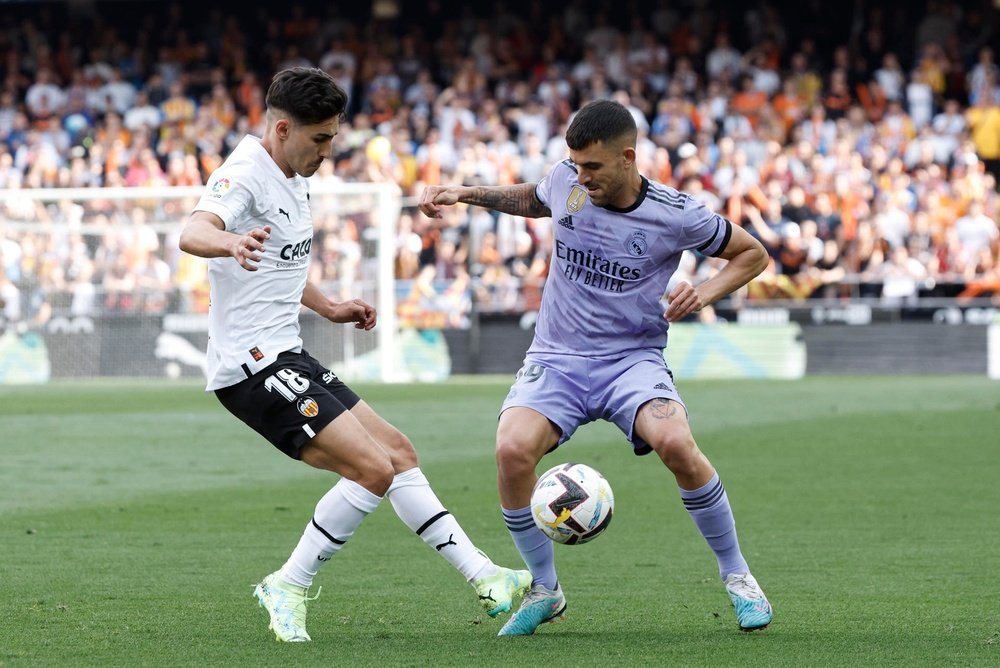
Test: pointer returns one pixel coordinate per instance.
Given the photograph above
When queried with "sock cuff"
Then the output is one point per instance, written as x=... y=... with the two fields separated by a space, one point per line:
x=528 y=538
x=518 y=520
x=411 y=478
x=704 y=497
x=707 y=487
x=515 y=513
x=358 y=496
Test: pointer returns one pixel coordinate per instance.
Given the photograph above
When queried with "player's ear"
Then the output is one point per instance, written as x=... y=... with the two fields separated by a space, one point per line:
x=282 y=127
x=629 y=155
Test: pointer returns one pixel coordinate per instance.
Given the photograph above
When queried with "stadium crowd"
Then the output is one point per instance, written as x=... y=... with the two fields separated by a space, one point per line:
x=861 y=144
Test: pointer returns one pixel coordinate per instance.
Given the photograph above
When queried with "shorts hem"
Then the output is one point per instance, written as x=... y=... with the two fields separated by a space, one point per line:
x=563 y=437
x=301 y=437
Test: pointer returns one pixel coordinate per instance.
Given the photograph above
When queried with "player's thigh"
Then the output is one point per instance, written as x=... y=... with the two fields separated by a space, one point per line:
x=523 y=437
x=395 y=442
x=628 y=390
x=525 y=434
x=548 y=396
x=663 y=424
x=345 y=447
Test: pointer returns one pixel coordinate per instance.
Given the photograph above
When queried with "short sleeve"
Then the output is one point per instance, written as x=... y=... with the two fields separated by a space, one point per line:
x=542 y=189
x=228 y=196
x=704 y=230
x=558 y=174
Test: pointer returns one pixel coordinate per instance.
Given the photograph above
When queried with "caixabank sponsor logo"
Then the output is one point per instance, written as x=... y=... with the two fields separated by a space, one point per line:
x=294 y=255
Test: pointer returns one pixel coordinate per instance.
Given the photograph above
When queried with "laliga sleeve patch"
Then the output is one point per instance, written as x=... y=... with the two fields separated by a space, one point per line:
x=219 y=187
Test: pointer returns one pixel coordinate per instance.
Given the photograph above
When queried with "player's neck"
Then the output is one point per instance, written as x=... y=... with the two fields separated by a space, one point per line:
x=273 y=148
x=630 y=193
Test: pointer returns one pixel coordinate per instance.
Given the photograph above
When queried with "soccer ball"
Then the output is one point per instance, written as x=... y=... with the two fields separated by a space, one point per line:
x=572 y=503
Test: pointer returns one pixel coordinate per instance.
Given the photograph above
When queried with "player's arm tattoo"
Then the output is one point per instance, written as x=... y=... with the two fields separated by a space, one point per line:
x=518 y=200
x=662 y=409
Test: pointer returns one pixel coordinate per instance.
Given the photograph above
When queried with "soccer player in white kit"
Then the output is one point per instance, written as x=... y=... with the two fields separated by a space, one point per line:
x=254 y=223
x=598 y=347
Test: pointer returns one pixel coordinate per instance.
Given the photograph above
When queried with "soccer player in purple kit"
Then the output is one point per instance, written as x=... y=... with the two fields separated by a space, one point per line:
x=598 y=347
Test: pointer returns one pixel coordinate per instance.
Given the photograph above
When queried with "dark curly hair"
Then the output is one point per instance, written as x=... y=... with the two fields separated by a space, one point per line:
x=307 y=94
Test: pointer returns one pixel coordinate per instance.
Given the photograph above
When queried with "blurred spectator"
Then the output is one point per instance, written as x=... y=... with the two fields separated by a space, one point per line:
x=142 y=114
x=117 y=94
x=920 y=99
x=723 y=62
x=975 y=232
x=984 y=124
x=949 y=126
x=44 y=98
x=178 y=112
x=890 y=77
x=901 y=276
x=983 y=75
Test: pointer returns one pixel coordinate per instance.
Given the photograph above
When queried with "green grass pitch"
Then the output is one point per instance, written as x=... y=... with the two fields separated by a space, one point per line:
x=135 y=518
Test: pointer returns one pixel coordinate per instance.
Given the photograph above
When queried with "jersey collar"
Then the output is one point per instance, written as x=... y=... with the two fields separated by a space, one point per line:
x=638 y=200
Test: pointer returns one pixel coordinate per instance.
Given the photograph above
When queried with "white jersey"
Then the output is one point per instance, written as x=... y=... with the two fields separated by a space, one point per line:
x=254 y=315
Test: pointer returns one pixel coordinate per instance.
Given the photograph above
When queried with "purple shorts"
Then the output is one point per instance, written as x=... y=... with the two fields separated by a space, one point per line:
x=571 y=390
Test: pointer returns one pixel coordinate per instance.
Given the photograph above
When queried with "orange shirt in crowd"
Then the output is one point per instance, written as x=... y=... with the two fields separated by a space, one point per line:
x=874 y=101
x=790 y=110
x=750 y=103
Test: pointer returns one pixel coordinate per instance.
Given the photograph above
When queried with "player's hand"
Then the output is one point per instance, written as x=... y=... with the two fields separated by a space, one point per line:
x=435 y=197
x=361 y=313
x=683 y=300
x=248 y=250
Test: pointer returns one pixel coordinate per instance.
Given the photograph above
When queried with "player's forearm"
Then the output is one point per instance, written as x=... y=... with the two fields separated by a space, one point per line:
x=739 y=271
x=201 y=238
x=314 y=300
x=517 y=200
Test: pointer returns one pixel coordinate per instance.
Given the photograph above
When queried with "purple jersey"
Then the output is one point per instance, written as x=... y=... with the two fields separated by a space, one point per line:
x=610 y=267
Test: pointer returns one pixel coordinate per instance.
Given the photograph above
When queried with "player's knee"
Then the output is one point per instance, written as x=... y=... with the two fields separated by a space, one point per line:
x=677 y=450
x=514 y=454
x=377 y=474
x=401 y=451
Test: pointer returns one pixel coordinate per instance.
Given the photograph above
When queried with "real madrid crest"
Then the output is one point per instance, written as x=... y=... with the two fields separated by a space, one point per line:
x=636 y=244
x=577 y=199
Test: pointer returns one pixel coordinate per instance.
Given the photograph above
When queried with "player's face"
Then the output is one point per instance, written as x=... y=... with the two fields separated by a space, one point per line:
x=603 y=168
x=308 y=145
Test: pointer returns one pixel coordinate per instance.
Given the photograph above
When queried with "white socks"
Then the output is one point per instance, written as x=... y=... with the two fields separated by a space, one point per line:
x=416 y=504
x=337 y=515
x=341 y=510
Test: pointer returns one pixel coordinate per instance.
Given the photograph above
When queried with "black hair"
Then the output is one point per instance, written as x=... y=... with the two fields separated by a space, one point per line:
x=600 y=121
x=307 y=94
